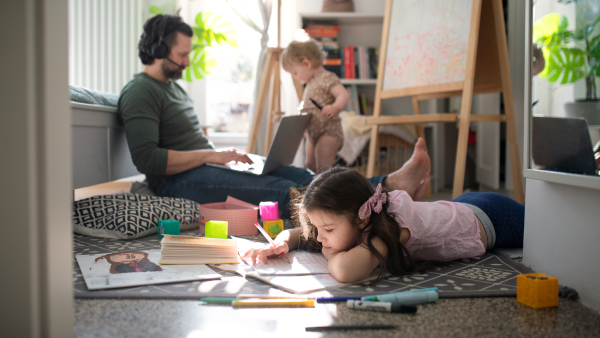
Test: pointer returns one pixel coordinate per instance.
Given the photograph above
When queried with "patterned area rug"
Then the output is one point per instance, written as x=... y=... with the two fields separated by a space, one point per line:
x=491 y=275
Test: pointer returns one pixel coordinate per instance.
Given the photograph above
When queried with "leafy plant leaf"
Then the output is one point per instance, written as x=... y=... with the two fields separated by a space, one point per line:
x=546 y=31
x=201 y=64
x=565 y=65
x=155 y=10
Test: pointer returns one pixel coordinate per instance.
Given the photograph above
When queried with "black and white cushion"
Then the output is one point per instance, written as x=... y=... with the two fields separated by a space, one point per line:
x=130 y=216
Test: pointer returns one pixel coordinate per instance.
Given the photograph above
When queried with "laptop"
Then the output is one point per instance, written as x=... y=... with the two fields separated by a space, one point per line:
x=283 y=150
x=562 y=144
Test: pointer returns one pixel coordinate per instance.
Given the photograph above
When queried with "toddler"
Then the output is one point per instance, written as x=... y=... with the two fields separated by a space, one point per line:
x=325 y=137
x=358 y=228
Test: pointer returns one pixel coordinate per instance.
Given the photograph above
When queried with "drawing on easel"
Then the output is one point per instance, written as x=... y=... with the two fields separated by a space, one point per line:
x=429 y=48
x=129 y=261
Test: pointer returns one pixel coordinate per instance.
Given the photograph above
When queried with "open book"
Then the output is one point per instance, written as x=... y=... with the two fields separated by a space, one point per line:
x=300 y=262
x=197 y=250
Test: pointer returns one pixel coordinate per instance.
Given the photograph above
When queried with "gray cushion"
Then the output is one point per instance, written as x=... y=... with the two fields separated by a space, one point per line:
x=130 y=216
x=84 y=95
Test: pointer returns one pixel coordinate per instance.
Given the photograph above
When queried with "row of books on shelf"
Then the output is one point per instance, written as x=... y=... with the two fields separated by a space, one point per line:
x=359 y=103
x=347 y=62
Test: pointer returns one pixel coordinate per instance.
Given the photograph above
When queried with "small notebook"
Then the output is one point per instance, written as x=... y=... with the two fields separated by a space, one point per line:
x=197 y=250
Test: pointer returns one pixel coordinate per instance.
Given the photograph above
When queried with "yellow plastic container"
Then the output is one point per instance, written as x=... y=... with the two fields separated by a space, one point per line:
x=537 y=290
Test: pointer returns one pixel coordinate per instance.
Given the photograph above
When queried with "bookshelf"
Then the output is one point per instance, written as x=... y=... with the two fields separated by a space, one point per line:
x=358 y=29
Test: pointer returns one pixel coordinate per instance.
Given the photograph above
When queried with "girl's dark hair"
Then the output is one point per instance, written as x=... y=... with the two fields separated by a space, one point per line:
x=343 y=191
x=151 y=35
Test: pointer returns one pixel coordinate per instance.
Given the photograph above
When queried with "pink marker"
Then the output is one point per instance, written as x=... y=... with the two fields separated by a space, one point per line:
x=264 y=233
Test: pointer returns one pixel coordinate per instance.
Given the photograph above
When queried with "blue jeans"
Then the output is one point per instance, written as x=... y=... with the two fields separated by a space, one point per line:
x=506 y=215
x=207 y=184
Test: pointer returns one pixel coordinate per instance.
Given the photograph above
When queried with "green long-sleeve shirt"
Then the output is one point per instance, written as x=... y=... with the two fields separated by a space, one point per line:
x=158 y=116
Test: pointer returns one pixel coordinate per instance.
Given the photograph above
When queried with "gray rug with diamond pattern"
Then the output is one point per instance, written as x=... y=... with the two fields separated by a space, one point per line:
x=491 y=275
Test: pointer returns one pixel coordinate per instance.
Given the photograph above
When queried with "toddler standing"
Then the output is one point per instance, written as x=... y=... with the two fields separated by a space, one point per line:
x=325 y=137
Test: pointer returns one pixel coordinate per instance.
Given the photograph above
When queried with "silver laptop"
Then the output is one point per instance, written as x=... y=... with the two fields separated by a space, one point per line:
x=562 y=144
x=283 y=150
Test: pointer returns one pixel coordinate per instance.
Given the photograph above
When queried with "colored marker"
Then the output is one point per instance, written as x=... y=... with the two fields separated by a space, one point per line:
x=254 y=303
x=245 y=296
x=349 y=327
x=335 y=299
x=381 y=306
x=217 y=300
x=264 y=233
x=316 y=104
x=373 y=298
x=408 y=297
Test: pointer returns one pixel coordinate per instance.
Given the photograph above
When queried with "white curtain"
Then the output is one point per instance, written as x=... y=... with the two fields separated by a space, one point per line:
x=265 y=8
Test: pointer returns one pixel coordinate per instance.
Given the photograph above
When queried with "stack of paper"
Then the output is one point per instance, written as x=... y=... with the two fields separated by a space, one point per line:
x=197 y=250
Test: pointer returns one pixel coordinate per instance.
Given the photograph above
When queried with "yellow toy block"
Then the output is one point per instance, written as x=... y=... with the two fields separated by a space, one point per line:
x=537 y=290
x=273 y=228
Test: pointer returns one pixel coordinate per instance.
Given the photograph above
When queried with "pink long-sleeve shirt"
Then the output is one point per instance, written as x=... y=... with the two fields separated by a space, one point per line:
x=439 y=231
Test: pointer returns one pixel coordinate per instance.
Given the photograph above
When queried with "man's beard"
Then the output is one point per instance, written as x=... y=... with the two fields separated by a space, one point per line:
x=170 y=73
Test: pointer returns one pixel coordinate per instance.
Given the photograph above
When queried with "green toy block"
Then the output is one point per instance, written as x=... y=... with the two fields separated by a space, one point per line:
x=273 y=228
x=215 y=229
x=168 y=227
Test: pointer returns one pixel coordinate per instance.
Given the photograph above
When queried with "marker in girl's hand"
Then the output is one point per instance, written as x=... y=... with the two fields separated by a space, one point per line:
x=264 y=233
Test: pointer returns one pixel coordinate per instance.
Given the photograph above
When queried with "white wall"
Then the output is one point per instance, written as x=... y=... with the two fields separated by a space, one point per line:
x=36 y=289
x=562 y=236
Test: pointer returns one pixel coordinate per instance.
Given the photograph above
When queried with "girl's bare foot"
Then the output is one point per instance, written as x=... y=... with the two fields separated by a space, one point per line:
x=414 y=176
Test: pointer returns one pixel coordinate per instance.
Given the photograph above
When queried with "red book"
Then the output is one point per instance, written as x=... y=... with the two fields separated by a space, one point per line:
x=352 y=63
x=348 y=62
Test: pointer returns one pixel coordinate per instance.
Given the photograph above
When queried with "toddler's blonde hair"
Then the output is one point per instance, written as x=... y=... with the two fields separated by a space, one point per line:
x=299 y=51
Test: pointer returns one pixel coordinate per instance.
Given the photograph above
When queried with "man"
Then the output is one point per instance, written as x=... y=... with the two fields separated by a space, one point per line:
x=167 y=145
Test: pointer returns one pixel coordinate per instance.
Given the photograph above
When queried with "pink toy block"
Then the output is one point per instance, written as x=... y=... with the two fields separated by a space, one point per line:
x=269 y=211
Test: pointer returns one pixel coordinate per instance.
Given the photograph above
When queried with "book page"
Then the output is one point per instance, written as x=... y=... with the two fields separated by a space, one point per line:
x=302 y=262
x=304 y=284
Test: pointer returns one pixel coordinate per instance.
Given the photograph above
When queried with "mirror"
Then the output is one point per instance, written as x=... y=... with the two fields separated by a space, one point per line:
x=564 y=122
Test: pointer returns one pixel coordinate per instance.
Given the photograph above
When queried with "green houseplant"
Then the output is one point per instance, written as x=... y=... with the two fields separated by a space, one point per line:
x=210 y=30
x=572 y=55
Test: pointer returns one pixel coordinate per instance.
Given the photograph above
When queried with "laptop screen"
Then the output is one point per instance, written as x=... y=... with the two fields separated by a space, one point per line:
x=562 y=144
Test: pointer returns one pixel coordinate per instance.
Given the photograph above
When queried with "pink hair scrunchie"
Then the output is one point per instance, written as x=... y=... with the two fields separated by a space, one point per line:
x=374 y=203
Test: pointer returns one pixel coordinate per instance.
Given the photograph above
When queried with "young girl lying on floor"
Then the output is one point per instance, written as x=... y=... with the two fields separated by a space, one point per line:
x=358 y=228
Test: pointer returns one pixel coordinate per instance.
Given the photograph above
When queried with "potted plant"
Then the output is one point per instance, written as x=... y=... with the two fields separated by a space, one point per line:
x=211 y=29
x=572 y=55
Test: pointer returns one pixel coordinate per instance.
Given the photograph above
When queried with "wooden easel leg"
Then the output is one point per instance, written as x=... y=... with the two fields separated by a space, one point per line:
x=373 y=151
x=273 y=104
x=299 y=88
x=260 y=102
x=511 y=128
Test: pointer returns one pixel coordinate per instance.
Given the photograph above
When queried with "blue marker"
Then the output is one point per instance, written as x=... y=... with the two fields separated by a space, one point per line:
x=409 y=291
x=408 y=297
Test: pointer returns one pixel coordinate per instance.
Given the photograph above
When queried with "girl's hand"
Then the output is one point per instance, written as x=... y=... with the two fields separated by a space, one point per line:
x=266 y=251
x=330 y=111
x=222 y=157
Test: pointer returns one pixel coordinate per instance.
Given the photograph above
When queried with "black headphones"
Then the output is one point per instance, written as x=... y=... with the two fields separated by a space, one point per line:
x=159 y=49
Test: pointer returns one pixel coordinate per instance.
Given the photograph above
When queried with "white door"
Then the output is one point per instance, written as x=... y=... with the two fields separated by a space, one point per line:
x=488 y=140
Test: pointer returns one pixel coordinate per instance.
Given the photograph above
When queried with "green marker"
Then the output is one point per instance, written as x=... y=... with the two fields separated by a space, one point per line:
x=215 y=300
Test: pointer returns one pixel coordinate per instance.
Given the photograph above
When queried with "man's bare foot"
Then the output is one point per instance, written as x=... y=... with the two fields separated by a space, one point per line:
x=414 y=176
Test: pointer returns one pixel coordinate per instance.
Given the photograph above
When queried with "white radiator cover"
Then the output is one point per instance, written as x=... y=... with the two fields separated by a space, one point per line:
x=103 y=38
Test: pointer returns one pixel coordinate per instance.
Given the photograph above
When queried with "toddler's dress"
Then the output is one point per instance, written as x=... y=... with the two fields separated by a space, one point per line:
x=319 y=89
